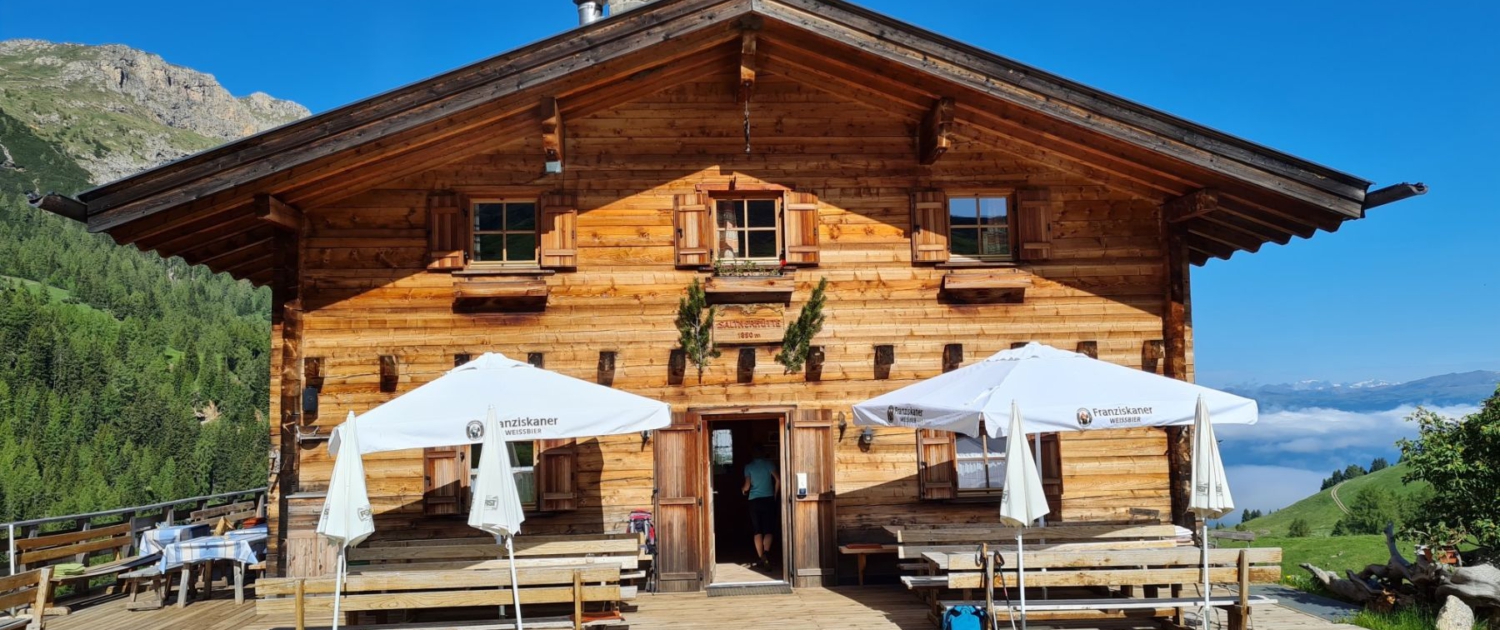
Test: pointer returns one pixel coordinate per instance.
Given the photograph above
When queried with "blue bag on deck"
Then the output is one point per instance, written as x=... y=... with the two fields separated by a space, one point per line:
x=965 y=618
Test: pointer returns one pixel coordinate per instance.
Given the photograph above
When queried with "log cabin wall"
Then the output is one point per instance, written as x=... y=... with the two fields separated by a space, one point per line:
x=367 y=293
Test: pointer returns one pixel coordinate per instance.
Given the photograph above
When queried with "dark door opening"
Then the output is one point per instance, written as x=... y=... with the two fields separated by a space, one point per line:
x=733 y=444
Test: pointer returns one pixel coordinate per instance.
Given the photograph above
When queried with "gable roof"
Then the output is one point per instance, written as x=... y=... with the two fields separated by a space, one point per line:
x=1258 y=194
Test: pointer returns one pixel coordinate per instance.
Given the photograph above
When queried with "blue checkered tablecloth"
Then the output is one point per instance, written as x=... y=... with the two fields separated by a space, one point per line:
x=156 y=540
x=243 y=546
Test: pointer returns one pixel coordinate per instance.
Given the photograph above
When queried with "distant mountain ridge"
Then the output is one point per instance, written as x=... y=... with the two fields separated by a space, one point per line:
x=116 y=110
x=1467 y=388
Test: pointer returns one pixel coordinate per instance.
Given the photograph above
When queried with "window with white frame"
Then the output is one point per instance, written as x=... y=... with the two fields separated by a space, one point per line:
x=979 y=227
x=505 y=232
x=749 y=229
x=980 y=463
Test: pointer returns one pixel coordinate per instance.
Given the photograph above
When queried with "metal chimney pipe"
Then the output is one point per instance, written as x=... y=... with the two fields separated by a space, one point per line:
x=589 y=11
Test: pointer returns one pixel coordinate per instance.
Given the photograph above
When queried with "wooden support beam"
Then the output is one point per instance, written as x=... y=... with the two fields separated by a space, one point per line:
x=676 y=366
x=1191 y=206
x=815 y=357
x=748 y=43
x=606 y=371
x=885 y=357
x=1089 y=349
x=1176 y=323
x=390 y=373
x=278 y=213
x=935 y=136
x=552 y=132
x=953 y=357
x=745 y=372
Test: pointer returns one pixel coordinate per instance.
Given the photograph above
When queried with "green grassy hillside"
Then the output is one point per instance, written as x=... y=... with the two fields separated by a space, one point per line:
x=1319 y=509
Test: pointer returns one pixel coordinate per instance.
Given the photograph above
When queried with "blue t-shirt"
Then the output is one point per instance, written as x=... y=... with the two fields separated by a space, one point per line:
x=762 y=483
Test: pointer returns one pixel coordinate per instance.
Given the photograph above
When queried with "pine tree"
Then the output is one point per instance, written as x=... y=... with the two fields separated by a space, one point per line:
x=799 y=334
x=695 y=329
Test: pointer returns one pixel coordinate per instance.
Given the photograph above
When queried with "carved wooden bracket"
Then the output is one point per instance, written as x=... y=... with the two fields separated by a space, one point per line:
x=748 y=43
x=936 y=135
x=552 y=132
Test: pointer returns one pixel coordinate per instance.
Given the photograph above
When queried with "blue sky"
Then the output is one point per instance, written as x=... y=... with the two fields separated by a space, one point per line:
x=1389 y=91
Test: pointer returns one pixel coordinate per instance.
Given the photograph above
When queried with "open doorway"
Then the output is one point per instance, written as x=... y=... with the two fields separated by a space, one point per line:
x=736 y=444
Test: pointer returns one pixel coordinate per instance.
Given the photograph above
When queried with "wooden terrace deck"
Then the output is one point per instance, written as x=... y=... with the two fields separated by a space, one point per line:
x=864 y=608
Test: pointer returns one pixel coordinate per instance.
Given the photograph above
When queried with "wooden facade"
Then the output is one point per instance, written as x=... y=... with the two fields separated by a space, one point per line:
x=363 y=220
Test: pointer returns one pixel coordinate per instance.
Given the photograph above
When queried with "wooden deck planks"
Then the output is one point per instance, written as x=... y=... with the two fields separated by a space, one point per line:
x=869 y=608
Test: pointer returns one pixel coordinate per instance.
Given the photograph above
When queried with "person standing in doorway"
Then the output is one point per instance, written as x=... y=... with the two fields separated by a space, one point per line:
x=762 y=484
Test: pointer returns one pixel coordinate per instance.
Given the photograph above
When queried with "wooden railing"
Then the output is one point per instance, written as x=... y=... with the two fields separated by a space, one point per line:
x=140 y=518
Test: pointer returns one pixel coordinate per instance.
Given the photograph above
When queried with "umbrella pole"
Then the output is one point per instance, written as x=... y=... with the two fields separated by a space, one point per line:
x=1021 y=576
x=1206 y=593
x=515 y=587
x=338 y=587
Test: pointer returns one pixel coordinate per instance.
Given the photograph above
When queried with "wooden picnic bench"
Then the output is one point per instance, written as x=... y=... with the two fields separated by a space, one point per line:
x=1107 y=564
x=81 y=547
x=453 y=588
x=861 y=553
x=622 y=550
x=22 y=589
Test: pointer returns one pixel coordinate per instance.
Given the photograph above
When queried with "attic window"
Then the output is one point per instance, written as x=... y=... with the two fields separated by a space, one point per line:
x=505 y=232
x=979 y=227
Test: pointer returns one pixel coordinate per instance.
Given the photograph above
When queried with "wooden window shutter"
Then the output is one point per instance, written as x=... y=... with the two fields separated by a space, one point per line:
x=447 y=231
x=1050 y=467
x=1034 y=224
x=557 y=475
x=929 y=226
x=445 y=481
x=800 y=228
x=693 y=218
x=558 y=231
x=937 y=475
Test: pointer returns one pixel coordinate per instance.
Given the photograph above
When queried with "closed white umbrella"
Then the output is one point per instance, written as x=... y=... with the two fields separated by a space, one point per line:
x=496 y=507
x=1060 y=391
x=347 y=518
x=1024 y=500
x=532 y=404
x=1211 y=498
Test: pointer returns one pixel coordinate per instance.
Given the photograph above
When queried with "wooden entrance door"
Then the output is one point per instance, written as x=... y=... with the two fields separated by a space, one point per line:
x=679 y=518
x=813 y=539
x=445 y=477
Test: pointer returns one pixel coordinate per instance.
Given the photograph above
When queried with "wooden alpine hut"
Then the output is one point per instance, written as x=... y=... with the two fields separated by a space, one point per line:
x=556 y=202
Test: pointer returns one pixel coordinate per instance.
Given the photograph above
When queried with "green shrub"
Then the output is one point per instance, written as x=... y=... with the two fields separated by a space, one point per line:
x=1299 y=528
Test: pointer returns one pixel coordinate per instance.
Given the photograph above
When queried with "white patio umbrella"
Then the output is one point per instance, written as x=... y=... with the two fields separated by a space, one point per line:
x=347 y=518
x=532 y=403
x=496 y=507
x=1024 y=500
x=1060 y=391
x=1211 y=498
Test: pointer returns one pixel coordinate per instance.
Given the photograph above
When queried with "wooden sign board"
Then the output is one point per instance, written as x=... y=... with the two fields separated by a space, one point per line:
x=747 y=324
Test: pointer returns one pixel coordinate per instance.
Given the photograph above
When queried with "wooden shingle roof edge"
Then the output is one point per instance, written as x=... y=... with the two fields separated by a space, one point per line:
x=270 y=152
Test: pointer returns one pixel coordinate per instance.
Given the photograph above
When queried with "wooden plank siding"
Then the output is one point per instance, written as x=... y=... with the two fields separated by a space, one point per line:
x=367 y=292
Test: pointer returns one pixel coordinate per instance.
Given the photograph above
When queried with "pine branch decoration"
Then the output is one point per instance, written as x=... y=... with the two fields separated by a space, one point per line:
x=797 y=343
x=695 y=331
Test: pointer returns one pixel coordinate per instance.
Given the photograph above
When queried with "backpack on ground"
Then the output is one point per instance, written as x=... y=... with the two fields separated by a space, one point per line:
x=965 y=618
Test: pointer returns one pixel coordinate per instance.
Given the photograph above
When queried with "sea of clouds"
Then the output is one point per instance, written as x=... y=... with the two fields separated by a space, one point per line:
x=1286 y=456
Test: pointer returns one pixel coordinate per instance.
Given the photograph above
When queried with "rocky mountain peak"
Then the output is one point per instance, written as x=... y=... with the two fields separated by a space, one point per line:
x=133 y=109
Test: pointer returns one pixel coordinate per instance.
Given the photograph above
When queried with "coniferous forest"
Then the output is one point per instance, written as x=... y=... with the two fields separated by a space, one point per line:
x=125 y=379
